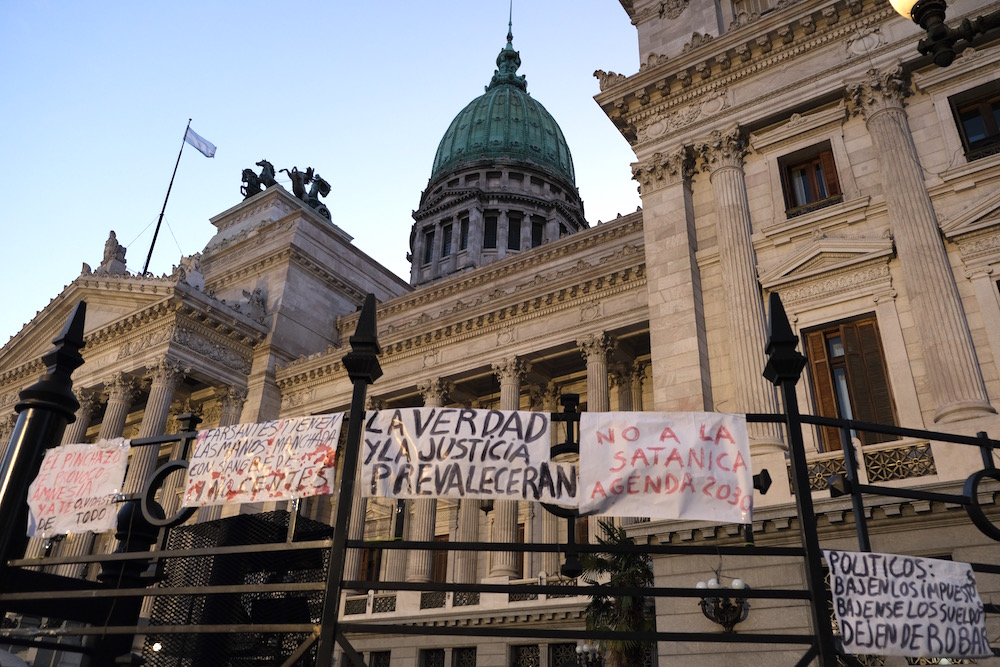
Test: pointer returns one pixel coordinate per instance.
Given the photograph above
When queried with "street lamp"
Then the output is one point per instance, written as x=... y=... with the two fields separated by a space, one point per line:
x=719 y=608
x=588 y=655
x=941 y=39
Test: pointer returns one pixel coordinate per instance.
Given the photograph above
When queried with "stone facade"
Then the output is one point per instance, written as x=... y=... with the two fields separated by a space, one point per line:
x=661 y=309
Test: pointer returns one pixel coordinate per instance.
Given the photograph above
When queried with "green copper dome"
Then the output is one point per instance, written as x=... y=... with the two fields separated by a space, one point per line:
x=505 y=122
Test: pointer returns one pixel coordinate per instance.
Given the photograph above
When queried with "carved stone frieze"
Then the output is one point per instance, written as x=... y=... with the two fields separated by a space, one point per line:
x=697 y=39
x=223 y=355
x=868 y=279
x=294 y=399
x=145 y=342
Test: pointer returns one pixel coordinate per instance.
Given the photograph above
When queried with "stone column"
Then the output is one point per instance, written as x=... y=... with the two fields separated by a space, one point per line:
x=474 y=253
x=510 y=372
x=122 y=390
x=420 y=564
x=502 y=224
x=953 y=374
x=550 y=522
x=638 y=378
x=677 y=334
x=722 y=156
x=231 y=400
x=77 y=431
x=595 y=348
x=621 y=378
x=166 y=376
x=7 y=423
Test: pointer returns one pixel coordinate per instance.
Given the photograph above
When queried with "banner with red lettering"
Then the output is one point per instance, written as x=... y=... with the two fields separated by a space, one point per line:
x=677 y=465
x=269 y=461
x=76 y=488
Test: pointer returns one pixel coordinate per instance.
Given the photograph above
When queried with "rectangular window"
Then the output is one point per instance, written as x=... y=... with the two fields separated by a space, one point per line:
x=525 y=656
x=439 y=567
x=514 y=231
x=463 y=233
x=432 y=657
x=537 y=230
x=463 y=656
x=977 y=113
x=490 y=230
x=446 y=241
x=371 y=564
x=810 y=179
x=379 y=659
x=428 y=246
x=849 y=378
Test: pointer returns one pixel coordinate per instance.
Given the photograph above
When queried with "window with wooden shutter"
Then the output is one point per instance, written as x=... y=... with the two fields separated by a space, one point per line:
x=439 y=568
x=809 y=178
x=849 y=378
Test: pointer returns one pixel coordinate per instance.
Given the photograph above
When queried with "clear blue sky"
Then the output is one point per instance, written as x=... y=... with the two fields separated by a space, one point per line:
x=97 y=95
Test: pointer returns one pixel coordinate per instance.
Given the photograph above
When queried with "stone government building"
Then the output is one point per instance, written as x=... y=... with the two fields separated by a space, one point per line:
x=801 y=147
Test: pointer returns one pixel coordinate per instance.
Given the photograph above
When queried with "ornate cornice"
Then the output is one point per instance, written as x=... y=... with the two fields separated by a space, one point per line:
x=322 y=365
x=674 y=87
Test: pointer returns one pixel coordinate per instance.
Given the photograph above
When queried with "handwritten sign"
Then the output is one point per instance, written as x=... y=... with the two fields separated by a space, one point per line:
x=682 y=465
x=76 y=487
x=902 y=605
x=460 y=453
x=269 y=461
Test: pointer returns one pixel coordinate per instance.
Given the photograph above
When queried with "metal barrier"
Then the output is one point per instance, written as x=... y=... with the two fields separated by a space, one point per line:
x=267 y=588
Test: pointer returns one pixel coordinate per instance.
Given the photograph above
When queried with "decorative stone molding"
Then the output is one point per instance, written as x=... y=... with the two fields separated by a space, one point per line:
x=608 y=79
x=510 y=369
x=212 y=350
x=121 y=388
x=167 y=373
x=862 y=43
x=661 y=170
x=881 y=89
x=697 y=40
x=296 y=399
x=598 y=345
x=435 y=391
x=151 y=339
x=722 y=148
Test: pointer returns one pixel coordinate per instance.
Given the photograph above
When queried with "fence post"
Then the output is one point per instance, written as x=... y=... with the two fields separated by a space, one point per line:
x=43 y=411
x=783 y=369
x=363 y=368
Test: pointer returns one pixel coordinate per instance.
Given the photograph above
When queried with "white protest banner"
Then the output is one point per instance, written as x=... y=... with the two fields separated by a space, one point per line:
x=902 y=605
x=279 y=460
x=680 y=465
x=460 y=453
x=75 y=489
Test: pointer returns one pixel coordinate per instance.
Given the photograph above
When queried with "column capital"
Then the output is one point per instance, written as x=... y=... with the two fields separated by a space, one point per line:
x=663 y=169
x=881 y=89
x=231 y=397
x=121 y=388
x=89 y=400
x=722 y=148
x=374 y=403
x=596 y=346
x=435 y=391
x=167 y=373
x=510 y=369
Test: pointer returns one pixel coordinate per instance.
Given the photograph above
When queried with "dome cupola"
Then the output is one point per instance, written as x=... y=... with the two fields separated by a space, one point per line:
x=502 y=182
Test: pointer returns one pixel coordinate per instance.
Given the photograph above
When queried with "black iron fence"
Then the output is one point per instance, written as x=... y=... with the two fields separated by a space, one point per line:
x=266 y=589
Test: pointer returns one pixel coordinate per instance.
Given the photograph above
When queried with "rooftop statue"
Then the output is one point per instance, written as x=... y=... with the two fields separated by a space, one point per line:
x=299 y=181
x=253 y=183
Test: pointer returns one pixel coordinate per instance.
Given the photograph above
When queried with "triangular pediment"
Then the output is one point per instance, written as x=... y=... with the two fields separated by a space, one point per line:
x=979 y=215
x=109 y=298
x=825 y=254
x=115 y=303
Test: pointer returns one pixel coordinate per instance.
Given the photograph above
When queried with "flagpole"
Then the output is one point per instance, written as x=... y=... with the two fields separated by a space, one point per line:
x=164 y=209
